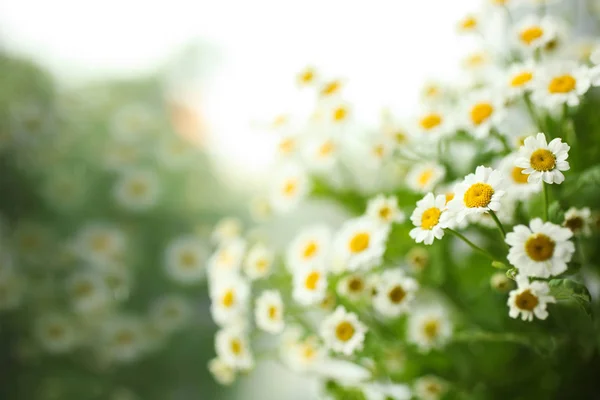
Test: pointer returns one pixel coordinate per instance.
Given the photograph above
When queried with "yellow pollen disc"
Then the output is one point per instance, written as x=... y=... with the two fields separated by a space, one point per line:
x=433 y=389
x=425 y=177
x=344 y=331
x=326 y=149
x=397 y=294
x=526 y=300
x=518 y=175
x=356 y=285
x=521 y=79
x=307 y=76
x=468 y=23
x=236 y=347
x=385 y=213
x=188 y=259
x=430 y=218
x=331 y=88
x=478 y=195
x=83 y=289
x=575 y=224
x=262 y=264
x=431 y=91
x=228 y=299
x=340 y=114
x=310 y=250
x=290 y=187
x=56 y=331
x=309 y=352
x=551 y=45
x=481 y=112
x=359 y=242
x=562 y=84
x=287 y=145
x=540 y=247
x=100 y=242
x=449 y=197
x=431 y=329
x=475 y=60
x=400 y=137
x=138 y=188
x=379 y=151
x=530 y=34
x=125 y=337
x=430 y=121
x=311 y=280
x=542 y=160
x=272 y=312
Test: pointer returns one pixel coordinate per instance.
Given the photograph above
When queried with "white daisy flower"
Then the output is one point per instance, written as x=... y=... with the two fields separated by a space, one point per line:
x=123 y=339
x=385 y=391
x=429 y=219
x=233 y=348
x=338 y=113
x=137 y=190
x=541 y=250
x=434 y=92
x=360 y=243
x=468 y=24
x=543 y=161
x=222 y=372
x=88 y=292
x=430 y=387
x=258 y=262
x=429 y=327
x=343 y=372
x=229 y=299
x=384 y=209
x=269 y=312
x=561 y=83
x=520 y=79
x=517 y=182
x=227 y=259
x=395 y=293
x=170 y=313
x=227 y=229
x=378 y=150
x=303 y=355
x=529 y=299
x=56 y=333
x=352 y=287
x=331 y=88
x=99 y=244
x=433 y=123
x=185 y=259
x=310 y=246
x=321 y=153
x=422 y=178
x=579 y=221
x=342 y=332
x=308 y=77
x=310 y=285
x=534 y=33
x=483 y=111
x=132 y=122
x=290 y=187
x=477 y=193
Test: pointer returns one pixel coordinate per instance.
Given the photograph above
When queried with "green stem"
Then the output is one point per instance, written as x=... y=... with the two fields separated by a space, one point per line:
x=498 y=223
x=507 y=148
x=533 y=113
x=471 y=244
x=546 y=201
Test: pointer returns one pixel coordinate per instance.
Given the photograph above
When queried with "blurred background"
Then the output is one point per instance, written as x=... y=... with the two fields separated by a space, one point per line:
x=128 y=129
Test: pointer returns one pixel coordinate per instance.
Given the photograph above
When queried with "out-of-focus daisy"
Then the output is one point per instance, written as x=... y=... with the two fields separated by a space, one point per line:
x=123 y=338
x=233 y=348
x=360 y=243
x=269 y=312
x=226 y=229
x=99 y=244
x=170 y=313
x=331 y=88
x=541 y=249
x=132 y=122
x=483 y=111
x=417 y=259
x=543 y=161
x=378 y=150
x=432 y=123
x=308 y=77
x=303 y=354
x=477 y=193
x=433 y=92
x=529 y=299
x=517 y=185
x=227 y=259
x=422 y=178
x=258 y=262
x=395 y=293
x=428 y=219
x=579 y=221
x=337 y=113
x=88 y=292
x=384 y=209
x=520 y=79
x=137 y=190
x=342 y=332
x=229 y=299
x=121 y=155
x=468 y=24
x=289 y=188
x=185 y=259
x=310 y=285
x=321 y=152
x=352 y=287
x=56 y=333
x=561 y=83
x=430 y=387
x=260 y=208
x=287 y=146
x=310 y=246
x=223 y=373
x=533 y=33
x=429 y=327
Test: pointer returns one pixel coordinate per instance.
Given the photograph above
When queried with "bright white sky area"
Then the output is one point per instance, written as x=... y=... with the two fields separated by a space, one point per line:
x=385 y=49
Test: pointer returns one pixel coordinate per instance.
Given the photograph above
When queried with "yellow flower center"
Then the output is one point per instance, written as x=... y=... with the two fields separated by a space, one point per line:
x=468 y=23
x=378 y=151
x=518 y=175
x=56 y=331
x=481 y=112
x=431 y=329
x=290 y=187
x=307 y=76
x=575 y=224
x=280 y=120
x=431 y=91
x=312 y=279
x=430 y=121
x=360 y=242
x=236 y=346
x=530 y=34
x=425 y=177
x=430 y=218
x=433 y=389
x=344 y=331
x=287 y=145
x=228 y=299
x=397 y=294
x=521 y=79
x=526 y=300
x=100 y=242
x=562 y=84
x=188 y=259
x=310 y=250
x=478 y=195
x=340 y=114
x=326 y=148
x=138 y=188
x=272 y=312
x=475 y=60
x=331 y=88
x=262 y=264
x=385 y=213
x=309 y=352
x=125 y=338
x=542 y=160
x=540 y=247
x=356 y=285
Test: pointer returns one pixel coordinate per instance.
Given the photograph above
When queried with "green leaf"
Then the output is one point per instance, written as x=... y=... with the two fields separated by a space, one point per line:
x=567 y=289
x=556 y=213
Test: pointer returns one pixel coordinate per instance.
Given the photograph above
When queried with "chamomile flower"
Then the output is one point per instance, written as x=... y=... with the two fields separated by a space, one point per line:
x=428 y=218
x=227 y=229
x=227 y=259
x=534 y=33
x=541 y=249
x=269 y=312
x=320 y=153
x=520 y=78
x=529 y=299
x=185 y=259
x=137 y=190
x=342 y=332
x=56 y=333
x=338 y=113
x=122 y=339
x=229 y=299
x=170 y=313
x=303 y=354
x=132 y=122
x=468 y=24
x=517 y=185
x=395 y=293
x=310 y=246
x=429 y=327
x=289 y=188
x=223 y=373
x=233 y=348
x=561 y=83
x=483 y=112
x=477 y=193
x=88 y=292
x=360 y=243
x=99 y=244
x=308 y=77
x=384 y=209
x=543 y=161
x=417 y=259
x=432 y=123
x=378 y=150
x=579 y=221
x=331 y=88
x=258 y=262
x=430 y=387
x=287 y=146
x=422 y=178
x=353 y=287
x=310 y=285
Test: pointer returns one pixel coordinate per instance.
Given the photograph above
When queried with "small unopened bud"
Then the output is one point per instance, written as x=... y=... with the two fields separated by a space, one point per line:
x=417 y=258
x=500 y=282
